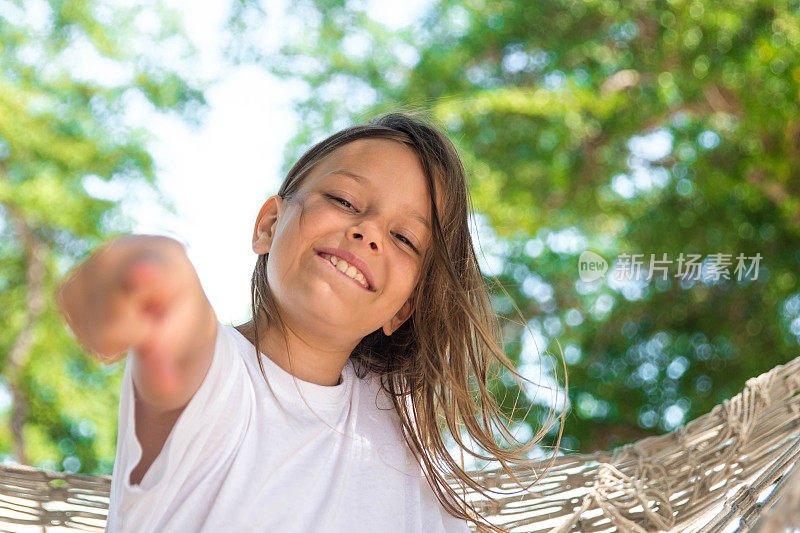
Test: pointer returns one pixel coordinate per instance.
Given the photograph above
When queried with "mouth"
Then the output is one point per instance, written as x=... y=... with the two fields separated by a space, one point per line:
x=322 y=257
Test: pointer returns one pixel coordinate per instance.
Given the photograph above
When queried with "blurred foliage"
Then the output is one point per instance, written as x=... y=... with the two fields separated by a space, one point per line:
x=77 y=78
x=645 y=127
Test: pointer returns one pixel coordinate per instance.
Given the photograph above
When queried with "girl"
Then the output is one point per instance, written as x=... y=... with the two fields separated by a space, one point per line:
x=372 y=333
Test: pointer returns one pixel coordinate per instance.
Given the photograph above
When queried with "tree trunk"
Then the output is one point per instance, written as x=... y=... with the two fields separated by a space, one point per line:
x=20 y=350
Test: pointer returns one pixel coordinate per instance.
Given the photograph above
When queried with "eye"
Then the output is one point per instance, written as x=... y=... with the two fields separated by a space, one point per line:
x=408 y=242
x=341 y=201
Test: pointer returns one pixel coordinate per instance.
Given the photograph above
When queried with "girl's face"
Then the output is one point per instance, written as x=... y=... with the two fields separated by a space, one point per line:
x=368 y=198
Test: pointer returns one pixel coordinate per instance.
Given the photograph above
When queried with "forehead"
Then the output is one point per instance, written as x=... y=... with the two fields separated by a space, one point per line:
x=384 y=165
x=381 y=156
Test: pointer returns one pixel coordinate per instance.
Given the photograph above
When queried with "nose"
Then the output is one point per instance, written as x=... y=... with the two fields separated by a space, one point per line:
x=366 y=232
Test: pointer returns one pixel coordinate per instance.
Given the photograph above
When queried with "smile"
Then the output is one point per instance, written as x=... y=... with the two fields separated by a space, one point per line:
x=357 y=277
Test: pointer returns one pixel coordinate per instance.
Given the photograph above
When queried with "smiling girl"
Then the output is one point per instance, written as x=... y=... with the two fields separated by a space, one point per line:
x=372 y=335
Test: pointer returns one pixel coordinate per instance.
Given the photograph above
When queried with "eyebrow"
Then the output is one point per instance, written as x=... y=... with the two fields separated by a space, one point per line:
x=362 y=180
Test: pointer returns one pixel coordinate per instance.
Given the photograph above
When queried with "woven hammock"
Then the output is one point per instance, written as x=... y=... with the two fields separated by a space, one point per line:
x=729 y=470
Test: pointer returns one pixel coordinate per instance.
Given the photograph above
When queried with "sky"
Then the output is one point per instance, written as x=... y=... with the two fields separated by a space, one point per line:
x=218 y=175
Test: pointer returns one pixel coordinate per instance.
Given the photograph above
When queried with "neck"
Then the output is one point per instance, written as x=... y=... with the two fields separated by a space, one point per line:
x=308 y=357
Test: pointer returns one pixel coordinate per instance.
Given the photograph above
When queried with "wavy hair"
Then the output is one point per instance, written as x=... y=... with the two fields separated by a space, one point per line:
x=436 y=367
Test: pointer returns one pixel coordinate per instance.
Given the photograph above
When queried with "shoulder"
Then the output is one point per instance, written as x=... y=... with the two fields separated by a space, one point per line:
x=228 y=380
x=241 y=342
x=242 y=335
x=369 y=383
x=375 y=398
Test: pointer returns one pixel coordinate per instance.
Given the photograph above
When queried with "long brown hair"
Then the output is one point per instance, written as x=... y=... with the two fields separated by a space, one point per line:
x=437 y=365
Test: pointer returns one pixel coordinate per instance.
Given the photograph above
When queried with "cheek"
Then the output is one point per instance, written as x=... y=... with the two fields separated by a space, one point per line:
x=405 y=272
x=316 y=216
x=276 y=267
x=309 y=223
x=283 y=254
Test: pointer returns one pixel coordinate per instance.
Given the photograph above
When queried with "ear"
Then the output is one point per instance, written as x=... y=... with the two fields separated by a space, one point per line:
x=397 y=320
x=266 y=223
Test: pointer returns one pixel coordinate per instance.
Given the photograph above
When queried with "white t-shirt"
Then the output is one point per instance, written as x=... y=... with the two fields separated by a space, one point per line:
x=236 y=460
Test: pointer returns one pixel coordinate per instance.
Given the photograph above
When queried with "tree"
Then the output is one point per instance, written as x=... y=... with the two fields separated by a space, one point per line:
x=73 y=76
x=667 y=127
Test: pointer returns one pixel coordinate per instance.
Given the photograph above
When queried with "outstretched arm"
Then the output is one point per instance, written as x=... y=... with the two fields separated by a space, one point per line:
x=141 y=292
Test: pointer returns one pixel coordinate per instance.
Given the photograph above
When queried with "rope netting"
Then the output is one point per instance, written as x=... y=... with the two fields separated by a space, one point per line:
x=729 y=470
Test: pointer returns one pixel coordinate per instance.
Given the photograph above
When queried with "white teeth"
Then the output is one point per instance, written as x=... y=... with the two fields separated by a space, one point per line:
x=345 y=268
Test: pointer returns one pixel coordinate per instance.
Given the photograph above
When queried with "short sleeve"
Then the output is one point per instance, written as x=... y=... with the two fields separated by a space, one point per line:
x=204 y=438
